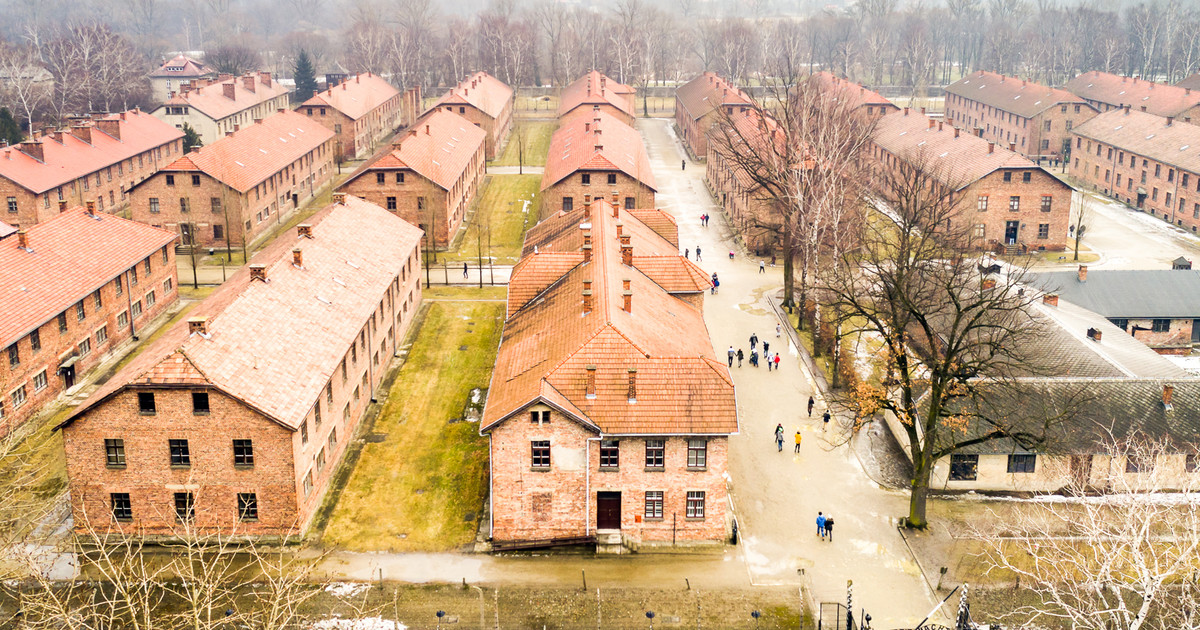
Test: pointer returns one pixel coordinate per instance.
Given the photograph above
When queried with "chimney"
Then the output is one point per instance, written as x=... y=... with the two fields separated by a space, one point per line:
x=922 y=111
x=587 y=296
x=339 y=197
x=84 y=132
x=304 y=230
x=621 y=231
x=229 y=90
x=988 y=283
x=356 y=78
x=265 y=78
x=632 y=382
x=1127 y=109
x=1170 y=120
x=1094 y=334
x=198 y=325
x=280 y=110
x=956 y=132
x=23 y=239
x=257 y=121
x=587 y=256
x=248 y=83
x=991 y=147
x=297 y=257
x=626 y=252
x=237 y=128
x=1143 y=108
x=905 y=111
x=939 y=125
x=599 y=147
x=1083 y=273
x=1012 y=146
x=427 y=130
x=616 y=199
x=931 y=123
x=32 y=148
x=1167 y=393
x=587 y=206
x=1050 y=299
x=587 y=127
x=979 y=132
x=590 y=392
x=587 y=233
x=1187 y=91
x=62 y=206
x=258 y=272
x=91 y=207
x=224 y=76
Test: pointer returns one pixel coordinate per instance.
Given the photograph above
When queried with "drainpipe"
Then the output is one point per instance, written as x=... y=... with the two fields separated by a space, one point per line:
x=491 y=489
x=129 y=304
x=587 y=484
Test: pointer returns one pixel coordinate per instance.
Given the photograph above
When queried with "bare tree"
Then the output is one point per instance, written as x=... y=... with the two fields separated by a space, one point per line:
x=1081 y=220
x=24 y=83
x=233 y=59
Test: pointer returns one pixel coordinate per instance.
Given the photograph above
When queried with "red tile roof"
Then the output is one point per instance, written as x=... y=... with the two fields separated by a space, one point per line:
x=68 y=158
x=481 y=91
x=1011 y=94
x=961 y=158
x=274 y=345
x=561 y=233
x=256 y=152
x=211 y=100
x=1158 y=98
x=750 y=129
x=660 y=221
x=1147 y=135
x=595 y=88
x=854 y=93
x=439 y=146
x=1191 y=83
x=182 y=67
x=707 y=92
x=6 y=229
x=356 y=96
x=548 y=344
x=582 y=143
x=70 y=256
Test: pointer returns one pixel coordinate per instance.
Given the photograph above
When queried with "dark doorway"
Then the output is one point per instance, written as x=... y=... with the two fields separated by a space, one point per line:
x=295 y=200
x=185 y=232
x=1010 y=232
x=68 y=375
x=1141 y=200
x=1196 y=331
x=608 y=510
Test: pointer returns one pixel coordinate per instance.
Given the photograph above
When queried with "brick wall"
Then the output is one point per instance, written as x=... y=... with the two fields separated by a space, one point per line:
x=1029 y=134
x=101 y=328
x=1030 y=216
x=1177 y=339
x=1162 y=190
x=750 y=213
x=497 y=128
x=572 y=186
x=357 y=137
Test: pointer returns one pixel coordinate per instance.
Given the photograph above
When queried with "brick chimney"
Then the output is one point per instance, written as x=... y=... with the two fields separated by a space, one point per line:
x=956 y=132
x=23 y=239
x=32 y=148
x=931 y=123
x=62 y=206
x=905 y=111
x=590 y=390
x=587 y=233
x=90 y=204
x=632 y=385
x=1170 y=120
x=339 y=197
x=248 y=83
x=1050 y=299
x=229 y=90
x=627 y=296
x=616 y=199
x=587 y=254
x=298 y=257
x=620 y=229
x=1143 y=108
x=626 y=252
x=939 y=125
x=304 y=230
x=1083 y=273
x=265 y=78
x=198 y=325
x=1012 y=146
x=587 y=297
x=258 y=272
x=991 y=147
x=84 y=132
x=587 y=206
x=1094 y=334
x=922 y=111
x=988 y=283
x=979 y=132
x=1168 y=392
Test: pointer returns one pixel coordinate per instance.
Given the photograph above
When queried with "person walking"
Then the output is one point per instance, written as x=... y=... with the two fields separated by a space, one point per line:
x=811 y=402
x=798 y=438
x=716 y=284
x=698 y=253
x=464 y=271
x=753 y=340
x=825 y=420
x=754 y=358
x=776 y=361
x=739 y=356
x=779 y=437
x=829 y=527
x=762 y=266
x=683 y=165
x=766 y=347
x=778 y=329
x=768 y=357
x=731 y=254
x=821 y=525
x=686 y=252
x=731 y=356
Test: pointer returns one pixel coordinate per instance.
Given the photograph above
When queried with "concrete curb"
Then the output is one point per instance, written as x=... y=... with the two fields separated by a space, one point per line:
x=806 y=361
x=920 y=567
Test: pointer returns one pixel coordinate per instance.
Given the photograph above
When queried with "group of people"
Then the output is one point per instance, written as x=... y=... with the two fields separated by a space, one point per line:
x=825 y=526
x=772 y=360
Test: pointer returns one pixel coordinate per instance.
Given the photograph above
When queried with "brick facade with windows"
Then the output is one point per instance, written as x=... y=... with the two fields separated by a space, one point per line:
x=216 y=108
x=68 y=285
x=485 y=101
x=750 y=209
x=96 y=159
x=347 y=284
x=698 y=106
x=594 y=90
x=362 y=111
x=1106 y=92
x=231 y=191
x=594 y=154
x=430 y=175
x=1031 y=119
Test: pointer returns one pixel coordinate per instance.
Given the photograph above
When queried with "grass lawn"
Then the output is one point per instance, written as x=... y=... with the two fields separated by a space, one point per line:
x=537 y=143
x=422 y=488
x=500 y=207
x=464 y=292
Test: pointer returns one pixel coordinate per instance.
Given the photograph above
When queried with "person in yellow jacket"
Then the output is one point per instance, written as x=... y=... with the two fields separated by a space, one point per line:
x=798 y=437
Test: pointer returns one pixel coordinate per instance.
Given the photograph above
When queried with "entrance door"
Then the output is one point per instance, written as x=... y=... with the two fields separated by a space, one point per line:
x=1141 y=200
x=1010 y=231
x=608 y=510
x=185 y=232
x=68 y=375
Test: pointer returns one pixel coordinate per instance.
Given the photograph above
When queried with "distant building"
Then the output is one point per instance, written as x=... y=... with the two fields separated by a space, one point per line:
x=430 y=175
x=231 y=191
x=594 y=90
x=95 y=159
x=75 y=287
x=217 y=108
x=236 y=419
x=362 y=111
x=1149 y=162
x=1007 y=201
x=699 y=104
x=1107 y=92
x=594 y=153
x=1030 y=119
x=485 y=101
x=174 y=75
x=752 y=211
x=859 y=99
x=609 y=415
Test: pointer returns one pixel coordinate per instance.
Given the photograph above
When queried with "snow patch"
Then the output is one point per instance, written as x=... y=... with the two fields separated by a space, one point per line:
x=365 y=623
x=1189 y=364
x=346 y=590
x=1153 y=498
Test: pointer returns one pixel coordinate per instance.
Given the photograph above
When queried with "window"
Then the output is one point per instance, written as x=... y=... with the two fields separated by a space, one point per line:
x=247 y=506
x=329 y=392
x=195 y=180
x=114 y=453
x=380 y=178
x=180 y=455
x=1158 y=170
x=654 y=504
x=184 y=204
x=1014 y=203
x=391 y=203
x=147 y=266
x=80 y=311
x=980 y=230
x=1046 y=125
x=1160 y=325
x=12 y=205
x=964 y=467
x=35 y=340
x=1022 y=463
x=170 y=179
x=39 y=381
x=695 y=504
x=612 y=178
x=120 y=288
x=123 y=319
x=1070 y=124
x=333 y=439
x=168 y=284
x=697 y=456
x=1008 y=176
x=18 y=397
x=200 y=403
x=399 y=178
x=320 y=461
x=122 y=509
x=137 y=308
x=655 y=451
x=981 y=203
x=154 y=205
x=14 y=356
x=146 y=403
x=1026 y=176
x=308 y=483
x=586 y=179
x=1043 y=230
x=304 y=431
x=539 y=417
x=1047 y=201
x=1138 y=464
x=420 y=203
x=1190 y=462
x=150 y=299
x=243 y=452
x=629 y=203
x=346 y=412
x=185 y=507
x=610 y=453
x=218 y=232
x=540 y=453
x=568 y=204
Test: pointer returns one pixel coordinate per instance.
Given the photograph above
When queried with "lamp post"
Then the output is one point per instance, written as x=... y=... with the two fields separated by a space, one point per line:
x=650 y=616
x=756 y=615
x=440 y=614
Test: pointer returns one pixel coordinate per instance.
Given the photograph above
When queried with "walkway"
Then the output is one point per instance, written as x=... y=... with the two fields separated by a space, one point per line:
x=777 y=495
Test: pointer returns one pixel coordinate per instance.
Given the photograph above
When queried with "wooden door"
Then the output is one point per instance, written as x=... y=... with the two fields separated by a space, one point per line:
x=608 y=510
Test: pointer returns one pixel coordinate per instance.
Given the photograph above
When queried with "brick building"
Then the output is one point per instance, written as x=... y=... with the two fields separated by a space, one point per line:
x=752 y=211
x=1006 y=200
x=485 y=101
x=181 y=71
x=1035 y=119
x=1107 y=92
x=1147 y=161
x=698 y=105
x=95 y=159
x=613 y=427
x=594 y=90
x=215 y=108
x=236 y=419
x=362 y=111
x=229 y=192
x=593 y=153
x=74 y=288
x=866 y=102
x=430 y=175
